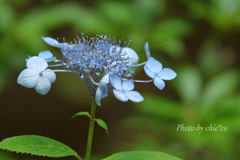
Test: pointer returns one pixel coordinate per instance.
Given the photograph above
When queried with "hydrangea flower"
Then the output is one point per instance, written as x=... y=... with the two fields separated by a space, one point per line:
x=153 y=69
x=123 y=89
x=101 y=62
x=37 y=76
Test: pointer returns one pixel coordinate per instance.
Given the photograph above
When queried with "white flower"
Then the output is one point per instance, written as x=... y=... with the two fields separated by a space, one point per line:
x=37 y=76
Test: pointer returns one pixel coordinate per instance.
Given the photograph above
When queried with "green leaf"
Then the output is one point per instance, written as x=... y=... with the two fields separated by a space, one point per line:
x=189 y=83
x=220 y=87
x=37 y=145
x=82 y=114
x=102 y=124
x=159 y=107
x=141 y=155
x=6 y=156
x=168 y=36
x=111 y=10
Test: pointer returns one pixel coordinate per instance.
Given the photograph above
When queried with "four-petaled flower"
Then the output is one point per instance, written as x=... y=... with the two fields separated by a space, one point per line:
x=123 y=89
x=153 y=69
x=37 y=76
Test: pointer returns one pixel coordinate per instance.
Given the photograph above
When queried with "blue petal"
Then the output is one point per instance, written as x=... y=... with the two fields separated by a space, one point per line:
x=167 y=74
x=101 y=93
x=98 y=96
x=127 y=85
x=158 y=82
x=47 y=56
x=28 y=78
x=43 y=86
x=27 y=58
x=36 y=63
x=102 y=90
x=153 y=65
x=120 y=95
x=149 y=72
x=116 y=82
x=50 y=75
x=51 y=41
x=134 y=96
x=105 y=80
x=146 y=47
x=131 y=54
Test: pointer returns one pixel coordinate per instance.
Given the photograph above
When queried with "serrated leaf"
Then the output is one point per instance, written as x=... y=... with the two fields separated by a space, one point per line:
x=37 y=145
x=141 y=155
x=102 y=124
x=82 y=114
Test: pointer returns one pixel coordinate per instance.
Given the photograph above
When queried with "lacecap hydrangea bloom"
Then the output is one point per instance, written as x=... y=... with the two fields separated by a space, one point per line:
x=101 y=62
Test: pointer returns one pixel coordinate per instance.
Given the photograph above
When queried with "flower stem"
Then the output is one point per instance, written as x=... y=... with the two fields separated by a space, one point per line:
x=78 y=157
x=91 y=127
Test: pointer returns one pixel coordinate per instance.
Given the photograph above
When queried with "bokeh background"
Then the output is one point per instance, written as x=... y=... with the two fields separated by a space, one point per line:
x=199 y=39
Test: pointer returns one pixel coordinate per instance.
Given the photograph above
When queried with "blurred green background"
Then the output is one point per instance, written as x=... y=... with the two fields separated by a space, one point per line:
x=198 y=39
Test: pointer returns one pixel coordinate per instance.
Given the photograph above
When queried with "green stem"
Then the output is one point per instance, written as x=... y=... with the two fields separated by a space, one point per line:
x=90 y=131
x=78 y=157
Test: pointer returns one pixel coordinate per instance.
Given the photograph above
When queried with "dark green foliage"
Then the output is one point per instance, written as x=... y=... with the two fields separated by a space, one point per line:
x=37 y=145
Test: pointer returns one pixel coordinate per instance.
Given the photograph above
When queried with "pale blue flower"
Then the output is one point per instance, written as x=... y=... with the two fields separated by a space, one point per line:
x=123 y=89
x=153 y=69
x=37 y=76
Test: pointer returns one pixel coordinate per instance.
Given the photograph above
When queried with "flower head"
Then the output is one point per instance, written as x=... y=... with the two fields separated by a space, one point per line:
x=99 y=54
x=103 y=64
x=153 y=69
x=37 y=76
